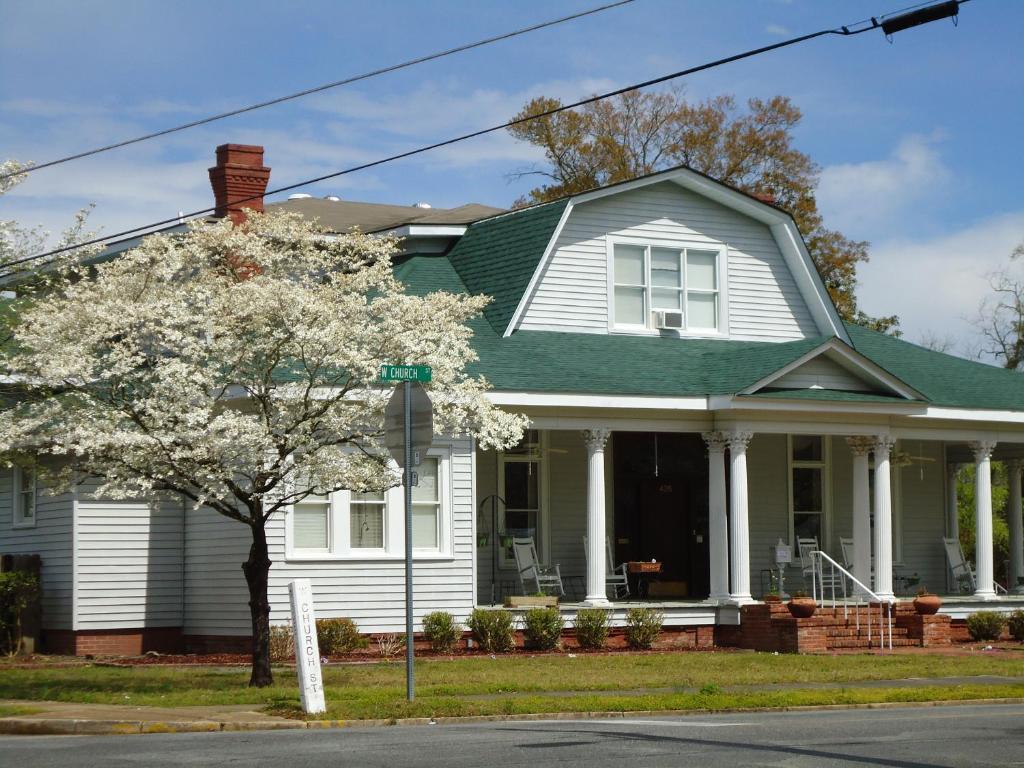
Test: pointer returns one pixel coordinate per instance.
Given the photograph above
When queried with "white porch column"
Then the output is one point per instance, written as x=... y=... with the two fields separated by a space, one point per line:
x=596 y=533
x=883 y=517
x=983 y=571
x=861 y=447
x=718 y=524
x=1013 y=514
x=953 y=503
x=739 y=525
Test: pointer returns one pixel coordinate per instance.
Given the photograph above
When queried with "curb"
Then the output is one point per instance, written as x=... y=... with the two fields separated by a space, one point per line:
x=25 y=726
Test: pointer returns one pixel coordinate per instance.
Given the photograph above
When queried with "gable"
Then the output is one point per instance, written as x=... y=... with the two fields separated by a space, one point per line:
x=823 y=373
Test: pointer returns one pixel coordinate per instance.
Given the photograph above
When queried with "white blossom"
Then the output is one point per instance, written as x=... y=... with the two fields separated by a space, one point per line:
x=237 y=365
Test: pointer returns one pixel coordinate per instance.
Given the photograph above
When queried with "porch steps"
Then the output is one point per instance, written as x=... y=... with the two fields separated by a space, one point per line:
x=770 y=627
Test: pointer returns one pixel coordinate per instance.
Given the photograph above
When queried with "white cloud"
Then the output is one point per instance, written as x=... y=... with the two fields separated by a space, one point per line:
x=935 y=285
x=858 y=197
x=777 y=29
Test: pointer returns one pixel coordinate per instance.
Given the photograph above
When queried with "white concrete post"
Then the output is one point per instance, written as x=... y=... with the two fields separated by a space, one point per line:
x=595 y=440
x=861 y=447
x=718 y=519
x=983 y=570
x=1013 y=514
x=739 y=523
x=953 y=503
x=883 y=517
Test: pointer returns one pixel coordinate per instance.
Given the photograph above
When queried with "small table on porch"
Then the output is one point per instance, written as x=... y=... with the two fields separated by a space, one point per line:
x=643 y=572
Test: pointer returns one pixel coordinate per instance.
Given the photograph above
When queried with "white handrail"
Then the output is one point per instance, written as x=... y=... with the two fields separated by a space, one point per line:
x=818 y=560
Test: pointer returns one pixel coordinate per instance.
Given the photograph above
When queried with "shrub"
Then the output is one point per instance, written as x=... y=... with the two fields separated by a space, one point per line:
x=542 y=628
x=17 y=591
x=643 y=625
x=985 y=625
x=282 y=643
x=441 y=630
x=390 y=645
x=592 y=627
x=493 y=630
x=336 y=636
x=1015 y=621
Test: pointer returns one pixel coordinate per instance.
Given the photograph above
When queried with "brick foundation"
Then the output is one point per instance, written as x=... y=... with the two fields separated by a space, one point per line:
x=113 y=642
x=770 y=627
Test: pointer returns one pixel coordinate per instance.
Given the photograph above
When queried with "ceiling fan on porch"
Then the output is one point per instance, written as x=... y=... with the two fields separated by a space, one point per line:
x=906 y=459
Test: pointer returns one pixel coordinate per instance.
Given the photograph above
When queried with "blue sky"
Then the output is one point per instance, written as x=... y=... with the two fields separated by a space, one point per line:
x=919 y=140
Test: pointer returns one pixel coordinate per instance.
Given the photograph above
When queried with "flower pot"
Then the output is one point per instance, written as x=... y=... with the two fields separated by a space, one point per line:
x=927 y=605
x=802 y=607
x=531 y=601
x=772 y=598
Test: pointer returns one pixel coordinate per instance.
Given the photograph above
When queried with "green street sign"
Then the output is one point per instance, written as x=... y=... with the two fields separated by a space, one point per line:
x=419 y=373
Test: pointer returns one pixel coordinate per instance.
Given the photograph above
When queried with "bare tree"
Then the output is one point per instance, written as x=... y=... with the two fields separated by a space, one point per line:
x=1000 y=317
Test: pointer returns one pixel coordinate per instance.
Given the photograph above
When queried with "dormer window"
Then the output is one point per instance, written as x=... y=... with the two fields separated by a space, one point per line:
x=648 y=280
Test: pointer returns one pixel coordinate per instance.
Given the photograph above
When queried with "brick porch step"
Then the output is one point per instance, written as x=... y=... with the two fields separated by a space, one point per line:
x=862 y=642
x=839 y=632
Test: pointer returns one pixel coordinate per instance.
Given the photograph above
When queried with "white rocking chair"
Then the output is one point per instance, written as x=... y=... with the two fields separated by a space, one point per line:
x=831 y=579
x=963 y=574
x=534 y=577
x=615 y=576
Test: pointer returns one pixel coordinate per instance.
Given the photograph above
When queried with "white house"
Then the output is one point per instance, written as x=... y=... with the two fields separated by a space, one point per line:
x=695 y=398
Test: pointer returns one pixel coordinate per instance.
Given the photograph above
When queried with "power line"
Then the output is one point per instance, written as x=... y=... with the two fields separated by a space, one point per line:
x=844 y=31
x=319 y=88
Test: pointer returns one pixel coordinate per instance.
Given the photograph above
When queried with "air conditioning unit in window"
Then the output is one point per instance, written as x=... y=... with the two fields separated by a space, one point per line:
x=668 y=319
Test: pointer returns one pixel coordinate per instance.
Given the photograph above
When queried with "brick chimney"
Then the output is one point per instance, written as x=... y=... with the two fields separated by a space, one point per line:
x=238 y=174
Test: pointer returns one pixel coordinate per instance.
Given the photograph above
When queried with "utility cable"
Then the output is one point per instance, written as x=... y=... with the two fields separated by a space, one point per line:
x=319 y=88
x=844 y=31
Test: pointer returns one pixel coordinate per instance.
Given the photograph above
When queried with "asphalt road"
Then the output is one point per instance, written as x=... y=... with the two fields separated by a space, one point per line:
x=904 y=738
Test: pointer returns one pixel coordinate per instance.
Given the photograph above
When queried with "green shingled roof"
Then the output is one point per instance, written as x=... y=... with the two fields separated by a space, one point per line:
x=584 y=363
x=498 y=256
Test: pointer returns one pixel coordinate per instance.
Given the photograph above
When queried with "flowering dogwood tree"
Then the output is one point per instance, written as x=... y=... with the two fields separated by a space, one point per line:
x=237 y=366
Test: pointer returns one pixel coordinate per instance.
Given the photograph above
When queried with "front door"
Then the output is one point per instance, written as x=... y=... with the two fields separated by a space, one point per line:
x=660 y=511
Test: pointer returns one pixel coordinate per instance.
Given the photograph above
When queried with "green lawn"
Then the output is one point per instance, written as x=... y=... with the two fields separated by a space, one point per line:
x=521 y=683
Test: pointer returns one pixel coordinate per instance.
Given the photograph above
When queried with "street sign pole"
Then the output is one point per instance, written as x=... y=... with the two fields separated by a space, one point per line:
x=408 y=434
x=410 y=690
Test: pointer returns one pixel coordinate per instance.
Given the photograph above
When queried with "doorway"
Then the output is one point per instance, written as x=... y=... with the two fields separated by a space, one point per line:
x=661 y=508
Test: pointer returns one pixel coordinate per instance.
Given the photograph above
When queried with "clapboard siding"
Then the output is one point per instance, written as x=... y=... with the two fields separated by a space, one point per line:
x=52 y=539
x=216 y=598
x=572 y=293
x=768 y=487
x=922 y=515
x=823 y=373
x=372 y=593
x=130 y=564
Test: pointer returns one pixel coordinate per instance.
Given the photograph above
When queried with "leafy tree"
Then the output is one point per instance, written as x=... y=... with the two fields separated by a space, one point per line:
x=1000 y=317
x=236 y=366
x=638 y=133
x=966 y=513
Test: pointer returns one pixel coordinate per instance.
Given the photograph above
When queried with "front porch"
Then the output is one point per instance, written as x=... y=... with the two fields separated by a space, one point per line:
x=710 y=504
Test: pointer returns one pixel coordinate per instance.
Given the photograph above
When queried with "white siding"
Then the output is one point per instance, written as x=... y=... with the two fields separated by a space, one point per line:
x=572 y=293
x=922 y=516
x=372 y=592
x=129 y=569
x=824 y=374
x=51 y=539
x=768 y=490
x=216 y=598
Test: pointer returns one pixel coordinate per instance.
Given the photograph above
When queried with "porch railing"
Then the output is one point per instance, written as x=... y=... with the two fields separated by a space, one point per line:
x=827 y=574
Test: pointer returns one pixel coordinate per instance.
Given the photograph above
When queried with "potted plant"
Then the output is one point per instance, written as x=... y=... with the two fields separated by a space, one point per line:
x=773 y=595
x=927 y=604
x=801 y=606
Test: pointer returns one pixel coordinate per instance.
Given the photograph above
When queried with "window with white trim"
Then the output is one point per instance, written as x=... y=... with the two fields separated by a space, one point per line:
x=808 y=472
x=647 y=278
x=25 y=495
x=371 y=525
x=520 y=475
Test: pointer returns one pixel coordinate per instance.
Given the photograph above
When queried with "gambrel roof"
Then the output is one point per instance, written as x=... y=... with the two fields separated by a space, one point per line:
x=545 y=361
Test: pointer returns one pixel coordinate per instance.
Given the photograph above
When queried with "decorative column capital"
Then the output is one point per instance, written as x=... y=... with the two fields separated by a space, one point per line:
x=982 y=449
x=861 y=445
x=738 y=441
x=715 y=441
x=882 y=446
x=596 y=438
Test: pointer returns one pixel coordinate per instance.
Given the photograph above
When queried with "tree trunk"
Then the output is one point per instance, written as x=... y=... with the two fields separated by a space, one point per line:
x=257 y=571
